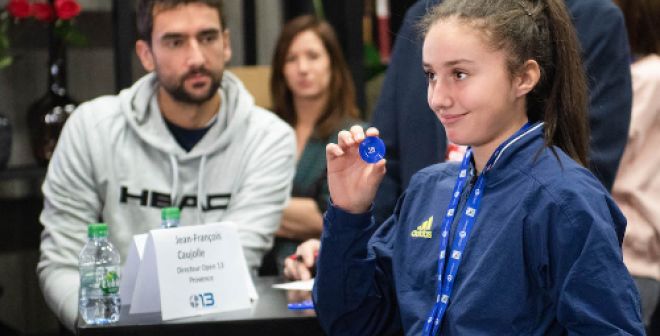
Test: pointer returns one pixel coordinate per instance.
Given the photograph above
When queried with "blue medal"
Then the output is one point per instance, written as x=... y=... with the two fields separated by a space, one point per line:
x=447 y=275
x=372 y=149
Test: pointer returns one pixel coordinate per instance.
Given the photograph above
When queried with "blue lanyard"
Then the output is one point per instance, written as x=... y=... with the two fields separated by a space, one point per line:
x=463 y=230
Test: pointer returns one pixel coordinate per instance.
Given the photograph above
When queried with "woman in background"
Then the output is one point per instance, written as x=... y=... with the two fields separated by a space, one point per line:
x=313 y=91
x=637 y=185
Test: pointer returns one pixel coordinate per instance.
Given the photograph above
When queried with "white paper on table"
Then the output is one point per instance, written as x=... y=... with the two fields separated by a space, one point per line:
x=303 y=285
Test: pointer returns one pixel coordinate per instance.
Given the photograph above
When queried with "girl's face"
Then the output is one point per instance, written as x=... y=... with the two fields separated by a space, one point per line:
x=469 y=86
x=307 y=67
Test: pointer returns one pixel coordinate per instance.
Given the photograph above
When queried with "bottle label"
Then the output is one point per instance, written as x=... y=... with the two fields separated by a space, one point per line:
x=104 y=278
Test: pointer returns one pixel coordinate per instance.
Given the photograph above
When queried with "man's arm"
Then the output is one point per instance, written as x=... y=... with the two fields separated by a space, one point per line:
x=606 y=56
x=257 y=207
x=301 y=219
x=70 y=203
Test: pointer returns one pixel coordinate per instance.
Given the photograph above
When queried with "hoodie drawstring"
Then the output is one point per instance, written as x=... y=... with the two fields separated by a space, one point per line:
x=175 y=179
x=200 y=189
x=200 y=179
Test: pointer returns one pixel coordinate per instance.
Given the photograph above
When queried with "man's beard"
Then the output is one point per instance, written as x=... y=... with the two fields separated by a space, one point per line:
x=179 y=93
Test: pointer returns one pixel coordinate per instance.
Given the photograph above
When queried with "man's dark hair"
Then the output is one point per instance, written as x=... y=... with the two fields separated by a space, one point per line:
x=145 y=13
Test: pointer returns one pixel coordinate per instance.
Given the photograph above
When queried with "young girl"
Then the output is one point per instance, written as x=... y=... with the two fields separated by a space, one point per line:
x=519 y=239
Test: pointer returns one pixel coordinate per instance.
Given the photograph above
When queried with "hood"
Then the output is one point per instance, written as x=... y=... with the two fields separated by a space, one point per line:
x=145 y=119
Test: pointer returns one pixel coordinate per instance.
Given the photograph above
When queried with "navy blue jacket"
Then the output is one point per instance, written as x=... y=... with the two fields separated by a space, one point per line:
x=415 y=138
x=543 y=258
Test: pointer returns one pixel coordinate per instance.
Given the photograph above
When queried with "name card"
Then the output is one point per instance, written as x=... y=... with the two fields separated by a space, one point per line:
x=190 y=271
x=131 y=267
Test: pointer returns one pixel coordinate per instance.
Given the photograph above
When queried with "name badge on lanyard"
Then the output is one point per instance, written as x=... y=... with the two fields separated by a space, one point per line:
x=447 y=275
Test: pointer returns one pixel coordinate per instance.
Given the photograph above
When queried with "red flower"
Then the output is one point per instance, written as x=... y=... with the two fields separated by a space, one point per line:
x=43 y=12
x=18 y=8
x=66 y=9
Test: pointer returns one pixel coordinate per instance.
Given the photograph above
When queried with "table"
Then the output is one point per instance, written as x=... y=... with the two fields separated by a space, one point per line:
x=269 y=316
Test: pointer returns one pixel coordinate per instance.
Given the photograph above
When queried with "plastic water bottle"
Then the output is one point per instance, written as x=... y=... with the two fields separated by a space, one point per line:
x=99 y=301
x=170 y=217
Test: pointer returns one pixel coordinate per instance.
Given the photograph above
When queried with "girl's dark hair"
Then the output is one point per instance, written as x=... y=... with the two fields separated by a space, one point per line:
x=539 y=30
x=341 y=98
x=145 y=13
x=643 y=25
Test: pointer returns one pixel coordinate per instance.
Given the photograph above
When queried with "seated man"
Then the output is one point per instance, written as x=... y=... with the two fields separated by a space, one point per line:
x=188 y=134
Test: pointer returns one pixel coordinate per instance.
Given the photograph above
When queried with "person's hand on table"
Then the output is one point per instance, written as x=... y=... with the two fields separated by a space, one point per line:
x=299 y=266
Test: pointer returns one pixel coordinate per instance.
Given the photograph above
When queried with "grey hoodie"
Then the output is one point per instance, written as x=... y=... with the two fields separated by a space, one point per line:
x=117 y=162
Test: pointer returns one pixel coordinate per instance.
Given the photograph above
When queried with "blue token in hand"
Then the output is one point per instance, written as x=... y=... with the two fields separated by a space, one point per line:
x=372 y=149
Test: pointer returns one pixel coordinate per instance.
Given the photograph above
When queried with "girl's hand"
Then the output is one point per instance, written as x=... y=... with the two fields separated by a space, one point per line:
x=352 y=182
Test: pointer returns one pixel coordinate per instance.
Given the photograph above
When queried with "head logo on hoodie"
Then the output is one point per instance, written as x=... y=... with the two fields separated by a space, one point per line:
x=151 y=198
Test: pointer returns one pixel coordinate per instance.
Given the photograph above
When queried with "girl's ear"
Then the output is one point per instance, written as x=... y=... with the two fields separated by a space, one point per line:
x=527 y=78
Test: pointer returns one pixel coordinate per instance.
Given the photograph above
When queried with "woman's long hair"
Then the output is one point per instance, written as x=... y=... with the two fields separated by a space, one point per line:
x=643 y=25
x=341 y=96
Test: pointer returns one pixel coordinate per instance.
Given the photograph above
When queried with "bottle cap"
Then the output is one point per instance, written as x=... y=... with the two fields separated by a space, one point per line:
x=97 y=230
x=372 y=149
x=170 y=213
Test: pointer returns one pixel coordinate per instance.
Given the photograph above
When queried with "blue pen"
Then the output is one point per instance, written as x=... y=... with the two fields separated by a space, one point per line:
x=302 y=305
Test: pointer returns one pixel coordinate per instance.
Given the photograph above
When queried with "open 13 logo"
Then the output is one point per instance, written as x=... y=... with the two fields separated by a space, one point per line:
x=203 y=300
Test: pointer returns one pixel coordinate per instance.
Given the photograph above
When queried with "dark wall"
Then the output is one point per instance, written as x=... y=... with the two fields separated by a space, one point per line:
x=346 y=18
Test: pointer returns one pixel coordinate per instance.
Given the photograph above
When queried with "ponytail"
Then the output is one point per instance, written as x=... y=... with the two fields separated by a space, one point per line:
x=565 y=112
